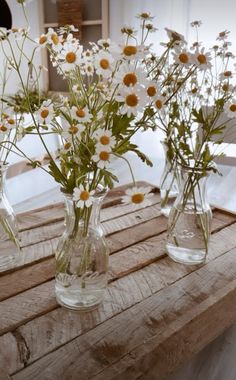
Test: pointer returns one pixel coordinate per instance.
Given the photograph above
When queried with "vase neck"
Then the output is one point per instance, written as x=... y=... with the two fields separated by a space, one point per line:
x=86 y=217
x=192 y=187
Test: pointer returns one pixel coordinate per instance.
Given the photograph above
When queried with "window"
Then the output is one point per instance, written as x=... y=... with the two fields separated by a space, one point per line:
x=91 y=17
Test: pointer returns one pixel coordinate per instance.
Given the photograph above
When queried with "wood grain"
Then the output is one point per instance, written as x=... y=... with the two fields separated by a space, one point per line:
x=155 y=313
x=127 y=345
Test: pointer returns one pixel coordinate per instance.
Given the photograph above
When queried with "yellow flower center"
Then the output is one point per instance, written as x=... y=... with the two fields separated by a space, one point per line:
x=11 y=121
x=130 y=50
x=14 y=30
x=131 y=100
x=54 y=38
x=70 y=57
x=151 y=91
x=227 y=73
x=104 y=63
x=3 y=128
x=104 y=140
x=84 y=195
x=42 y=40
x=183 y=57
x=233 y=107
x=137 y=198
x=44 y=114
x=80 y=112
x=104 y=156
x=130 y=79
x=194 y=90
x=67 y=145
x=73 y=129
x=158 y=104
x=202 y=59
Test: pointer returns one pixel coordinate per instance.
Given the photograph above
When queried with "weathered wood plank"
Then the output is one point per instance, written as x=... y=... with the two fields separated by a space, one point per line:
x=26 y=278
x=126 y=346
x=48 y=332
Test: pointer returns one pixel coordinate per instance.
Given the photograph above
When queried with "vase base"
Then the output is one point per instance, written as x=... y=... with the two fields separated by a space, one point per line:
x=78 y=299
x=186 y=255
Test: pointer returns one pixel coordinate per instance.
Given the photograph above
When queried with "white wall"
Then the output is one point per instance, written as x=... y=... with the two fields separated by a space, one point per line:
x=19 y=21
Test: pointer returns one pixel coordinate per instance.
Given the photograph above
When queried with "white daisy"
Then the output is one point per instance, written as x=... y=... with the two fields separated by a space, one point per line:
x=151 y=88
x=129 y=75
x=88 y=69
x=71 y=130
x=183 y=57
x=83 y=197
x=70 y=56
x=159 y=103
x=230 y=108
x=104 y=64
x=42 y=40
x=138 y=196
x=175 y=36
x=202 y=59
x=105 y=138
x=130 y=52
x=226 y=75
x=87 y=55
x=54 y=39
x=81 y=114
x=46 y=112
x=102 y=156
x=134 y=99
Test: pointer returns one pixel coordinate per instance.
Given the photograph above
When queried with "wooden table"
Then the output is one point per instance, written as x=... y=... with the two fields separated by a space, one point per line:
x=156 y=313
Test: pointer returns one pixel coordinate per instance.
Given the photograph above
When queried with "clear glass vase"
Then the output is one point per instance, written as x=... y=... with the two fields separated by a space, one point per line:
x=168 y=182
x=82 y=256
x=9 y=243
x=189 y=224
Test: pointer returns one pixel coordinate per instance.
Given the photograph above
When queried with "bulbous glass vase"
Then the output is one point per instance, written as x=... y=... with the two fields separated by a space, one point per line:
x=82 y=256
x=189 y=224
x=9 y=243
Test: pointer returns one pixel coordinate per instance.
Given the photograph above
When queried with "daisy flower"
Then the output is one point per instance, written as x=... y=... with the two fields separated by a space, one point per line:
x=230 y=108
x=130 y=52
x=46 y=112
x=88 y=69
x=42 y=40
x=129 y=75
x=175 y=36
x=70 y=130
x=54 y=39
x=102 y=156
x=105 y=138
x=202 y=59
x=87 y=55
x=83 y=197
x=134 y=99
x=226 y=75
x=81 y=114
x=138 y=196
x=159 y=103
x=70 y=56
x=182 y=57
x=104 y=64
x=151 y=88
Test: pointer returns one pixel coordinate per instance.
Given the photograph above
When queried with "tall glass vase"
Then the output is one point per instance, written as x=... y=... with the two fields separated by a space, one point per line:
x=189 y=224
x=168 y=182
x=82 y=256
x=9 y=243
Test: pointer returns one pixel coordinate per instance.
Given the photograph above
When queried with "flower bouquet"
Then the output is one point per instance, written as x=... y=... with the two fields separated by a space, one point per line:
x=195 y=131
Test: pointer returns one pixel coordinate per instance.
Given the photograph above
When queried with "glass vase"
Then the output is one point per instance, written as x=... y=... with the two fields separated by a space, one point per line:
x=189 y=224
x=168 y=182
x=9 y=243
x=82 y=256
